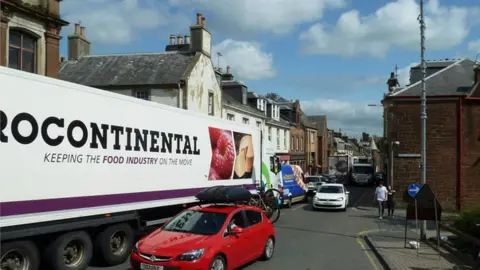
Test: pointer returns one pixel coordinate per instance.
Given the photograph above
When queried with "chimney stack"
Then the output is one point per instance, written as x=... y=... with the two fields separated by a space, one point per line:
x=179 y=40
x=204 y=21
x=186 y=39
x=228 y=70
x=77 y=29
x=199 y=18
x=82 y=32
x=220 y=69
x=172 y=39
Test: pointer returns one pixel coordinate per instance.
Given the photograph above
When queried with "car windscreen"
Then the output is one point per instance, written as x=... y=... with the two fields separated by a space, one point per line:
x=363 y=170
x=330 y=189
x=197 y=222
x=313 y=179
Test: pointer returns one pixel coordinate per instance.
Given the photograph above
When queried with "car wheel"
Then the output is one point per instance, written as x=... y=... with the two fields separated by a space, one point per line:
x=269 y=249
x=218 y=263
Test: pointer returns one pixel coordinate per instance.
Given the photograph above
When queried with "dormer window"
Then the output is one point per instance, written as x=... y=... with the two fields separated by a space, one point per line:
x=275 y=112
x=261 y=104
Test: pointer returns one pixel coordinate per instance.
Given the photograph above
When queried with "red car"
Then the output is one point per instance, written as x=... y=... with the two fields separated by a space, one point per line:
x=214 y=237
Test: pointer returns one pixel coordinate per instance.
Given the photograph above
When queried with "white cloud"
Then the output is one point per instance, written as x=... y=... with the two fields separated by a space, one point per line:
x=403 y=75
x=394 y=25
x=116 y=22
x=474 y=46
x=352 y=117
x=247 y=60
x=255 y=16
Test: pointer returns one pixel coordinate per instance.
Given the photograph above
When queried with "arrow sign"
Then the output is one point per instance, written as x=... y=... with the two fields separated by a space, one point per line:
x=413 y=189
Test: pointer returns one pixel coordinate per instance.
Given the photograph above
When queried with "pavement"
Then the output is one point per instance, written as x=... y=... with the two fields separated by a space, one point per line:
x=308 y=240
x=393 y=252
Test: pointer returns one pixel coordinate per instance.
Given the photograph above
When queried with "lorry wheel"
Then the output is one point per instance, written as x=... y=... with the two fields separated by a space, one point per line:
x=71 y=250
x=289 y=202
x=115 y=243
x=21 y=255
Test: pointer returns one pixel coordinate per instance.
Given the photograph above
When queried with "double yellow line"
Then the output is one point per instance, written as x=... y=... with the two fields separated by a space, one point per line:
x=368 y=253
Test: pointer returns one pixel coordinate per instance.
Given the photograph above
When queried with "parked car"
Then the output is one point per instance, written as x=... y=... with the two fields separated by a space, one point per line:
x=207 y=237
x=331 y=178
x=331 y=196
x=314 y=182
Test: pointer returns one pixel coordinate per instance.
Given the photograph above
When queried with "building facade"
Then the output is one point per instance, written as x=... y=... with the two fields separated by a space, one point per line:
x=311 y=146
x=276 y=130
x=183 y=76
x=322 y=141
x=291 y=112
x=453 y=137
x=30 y=35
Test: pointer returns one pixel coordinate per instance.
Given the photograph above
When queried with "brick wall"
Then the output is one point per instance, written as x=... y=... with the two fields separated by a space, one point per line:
x=471 y=154
x=442 y=145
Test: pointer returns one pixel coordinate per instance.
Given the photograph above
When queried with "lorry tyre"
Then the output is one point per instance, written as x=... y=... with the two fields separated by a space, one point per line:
x=115 y=243
x=71 y=250
x=22 y=255
x=289 y=202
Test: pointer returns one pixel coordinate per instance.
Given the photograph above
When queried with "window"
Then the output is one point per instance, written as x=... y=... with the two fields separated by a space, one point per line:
x=291 y=143
x=274 y=111
x=210 y=103
x=301 y=143
x=278 y=138
x=270 y=133
x=285 y=139
x=246 y=120
x=259 y=124
x=261 y=104
x=296 y=143
x=142 y=95
x=22 y=51
x=197 y=222
x=312 y=137
x=230 y=117
x=253 y=217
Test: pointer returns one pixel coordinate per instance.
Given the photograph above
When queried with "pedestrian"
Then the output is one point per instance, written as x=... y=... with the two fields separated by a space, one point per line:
x=381 y=195
x=390 y=201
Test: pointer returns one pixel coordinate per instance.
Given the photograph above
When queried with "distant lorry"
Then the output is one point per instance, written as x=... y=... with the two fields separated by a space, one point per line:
x=340 y=166
x=362 y=174
x=83 y=170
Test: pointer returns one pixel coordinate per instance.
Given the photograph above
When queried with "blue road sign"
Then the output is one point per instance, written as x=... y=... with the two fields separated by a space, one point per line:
x=413 y=189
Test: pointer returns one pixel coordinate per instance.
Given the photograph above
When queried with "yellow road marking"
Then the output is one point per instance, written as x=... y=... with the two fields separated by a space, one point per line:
x=361 y=243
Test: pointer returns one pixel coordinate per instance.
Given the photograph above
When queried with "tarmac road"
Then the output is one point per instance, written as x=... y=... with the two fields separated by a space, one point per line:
x=308 y=240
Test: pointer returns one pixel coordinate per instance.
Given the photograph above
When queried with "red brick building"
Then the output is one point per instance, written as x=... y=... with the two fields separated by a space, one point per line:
x=30 y=35
x=453 y=133
x=322 y=136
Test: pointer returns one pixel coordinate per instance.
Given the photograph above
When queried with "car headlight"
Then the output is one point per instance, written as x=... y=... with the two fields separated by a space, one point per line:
x=315 y=198
x=135 y=248
x=340 y=199
x=191 y=255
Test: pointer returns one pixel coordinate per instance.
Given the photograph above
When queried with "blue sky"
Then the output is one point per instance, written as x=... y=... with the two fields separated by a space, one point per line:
x=333 y=55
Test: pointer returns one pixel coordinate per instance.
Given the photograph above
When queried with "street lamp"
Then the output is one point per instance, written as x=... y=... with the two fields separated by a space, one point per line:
x=393 y=143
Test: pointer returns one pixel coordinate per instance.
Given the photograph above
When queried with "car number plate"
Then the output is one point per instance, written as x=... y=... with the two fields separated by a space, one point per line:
x=144 y=266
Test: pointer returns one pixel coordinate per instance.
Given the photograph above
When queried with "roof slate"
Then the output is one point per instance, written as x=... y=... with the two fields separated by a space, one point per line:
x=319 y=120
x=127 y=69
x=229 y=100
x=456 y=79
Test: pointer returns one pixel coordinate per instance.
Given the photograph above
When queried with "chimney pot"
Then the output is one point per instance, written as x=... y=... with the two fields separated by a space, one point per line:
x=82 y=31
x=186 y=39
x=204 y=21
x=179 y=39
x=77 y=29
x=199 y=18
x=62 y=59
x=172 y=39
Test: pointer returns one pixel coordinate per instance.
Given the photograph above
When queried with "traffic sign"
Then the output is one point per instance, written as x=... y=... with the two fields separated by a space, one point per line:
x=413 y=189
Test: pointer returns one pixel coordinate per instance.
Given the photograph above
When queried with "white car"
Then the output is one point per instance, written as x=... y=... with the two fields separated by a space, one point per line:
x=331 y=196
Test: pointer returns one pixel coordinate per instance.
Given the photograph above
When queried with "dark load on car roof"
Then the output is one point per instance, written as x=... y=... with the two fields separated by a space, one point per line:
x=224 y=194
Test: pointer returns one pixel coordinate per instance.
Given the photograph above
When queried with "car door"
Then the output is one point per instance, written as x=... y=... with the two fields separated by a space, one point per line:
x=258 y=233
x=347 y=197
x=237 y=245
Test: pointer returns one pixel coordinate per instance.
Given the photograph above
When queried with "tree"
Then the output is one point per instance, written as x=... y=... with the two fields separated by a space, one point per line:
x=273 y=96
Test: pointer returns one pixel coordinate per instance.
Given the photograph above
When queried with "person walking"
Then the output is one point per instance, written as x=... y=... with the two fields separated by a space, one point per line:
x=390 y=201
x=381 y=196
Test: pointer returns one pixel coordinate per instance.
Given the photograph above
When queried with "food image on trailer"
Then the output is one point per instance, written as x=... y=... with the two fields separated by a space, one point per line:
x=223 y=154
x=245 y=155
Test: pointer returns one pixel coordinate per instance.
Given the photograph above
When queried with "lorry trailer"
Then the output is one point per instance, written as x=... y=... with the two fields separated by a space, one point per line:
x=83 y=170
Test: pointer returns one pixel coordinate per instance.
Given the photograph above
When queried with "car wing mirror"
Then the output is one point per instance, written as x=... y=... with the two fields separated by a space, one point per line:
x=236 y=230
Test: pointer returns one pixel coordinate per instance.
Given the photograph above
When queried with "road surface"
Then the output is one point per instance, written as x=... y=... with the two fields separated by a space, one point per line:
x=308 y=240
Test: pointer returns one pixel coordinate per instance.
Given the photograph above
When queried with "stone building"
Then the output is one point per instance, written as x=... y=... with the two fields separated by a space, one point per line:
x=182 y=76
x=30 y=35
x=453 y=133
x=291 y=112
x=322 y=141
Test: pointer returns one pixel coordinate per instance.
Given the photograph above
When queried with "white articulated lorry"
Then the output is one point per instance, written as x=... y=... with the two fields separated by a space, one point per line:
x=82 y=169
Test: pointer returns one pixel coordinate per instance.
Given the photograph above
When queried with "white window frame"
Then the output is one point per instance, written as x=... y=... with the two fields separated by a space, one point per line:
x=278 y=138
x=141 y=93
x=269 y=134
x=211 y=97
x=284 y=139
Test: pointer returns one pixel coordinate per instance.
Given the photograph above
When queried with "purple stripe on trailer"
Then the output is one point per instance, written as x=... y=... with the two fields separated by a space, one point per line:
x=48 y=205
